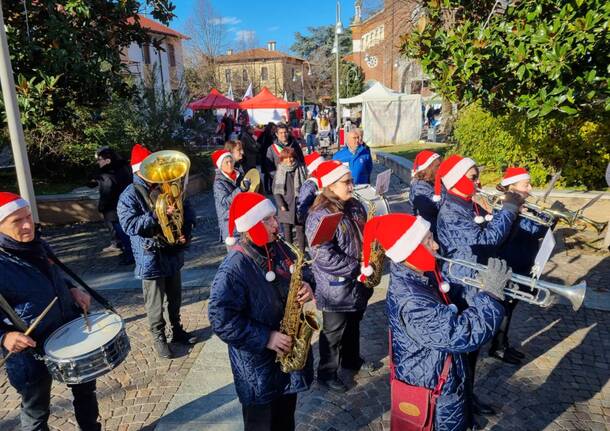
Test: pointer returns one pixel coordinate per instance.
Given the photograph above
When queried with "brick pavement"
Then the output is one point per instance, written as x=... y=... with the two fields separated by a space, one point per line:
x=563 y=383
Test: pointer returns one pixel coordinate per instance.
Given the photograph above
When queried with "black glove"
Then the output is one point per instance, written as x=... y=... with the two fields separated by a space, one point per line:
x=245 y=185
x=512 y=201
x=494 y=279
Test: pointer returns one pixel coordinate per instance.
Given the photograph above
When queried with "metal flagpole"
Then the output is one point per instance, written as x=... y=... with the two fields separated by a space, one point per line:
x=13 y=119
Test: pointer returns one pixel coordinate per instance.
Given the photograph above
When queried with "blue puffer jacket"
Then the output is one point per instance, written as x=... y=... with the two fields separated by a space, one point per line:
x=424 y=330
x=420 y=198
x=244 y=308
x=522 y=244
x=336 y=264
x=29 y=291
x=461 y=238
x=225 y=191
x=307 y=195
x=140 y=223
x=360 y=163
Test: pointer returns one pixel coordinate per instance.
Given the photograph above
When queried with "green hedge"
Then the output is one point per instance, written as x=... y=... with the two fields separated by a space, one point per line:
x=580 y=148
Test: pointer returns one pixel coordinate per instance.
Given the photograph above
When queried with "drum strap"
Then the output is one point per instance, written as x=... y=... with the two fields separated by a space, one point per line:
x=99 y=298
x=15 y=320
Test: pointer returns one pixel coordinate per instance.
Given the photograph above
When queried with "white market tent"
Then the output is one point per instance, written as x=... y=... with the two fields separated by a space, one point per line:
x=388 y=117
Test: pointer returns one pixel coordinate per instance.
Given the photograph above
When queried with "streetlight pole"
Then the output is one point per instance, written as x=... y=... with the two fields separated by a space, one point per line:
x=13 y=119
x=338 y=31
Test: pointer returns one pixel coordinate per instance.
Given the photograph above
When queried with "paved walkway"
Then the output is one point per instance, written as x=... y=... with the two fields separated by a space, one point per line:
x=563 y=383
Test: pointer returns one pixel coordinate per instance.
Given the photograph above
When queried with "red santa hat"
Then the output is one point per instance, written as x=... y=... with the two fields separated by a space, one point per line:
x=218 y=157
x=246 y=214
x=9 y=203
x=330 y=172
x=514 y=175
x=401 y=236
x=312 y=161
x=423 y=160
x=138 y=153
x=451 y=172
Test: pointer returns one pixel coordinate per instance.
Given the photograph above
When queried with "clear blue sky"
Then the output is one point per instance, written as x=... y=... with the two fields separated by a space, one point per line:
x=270 y=20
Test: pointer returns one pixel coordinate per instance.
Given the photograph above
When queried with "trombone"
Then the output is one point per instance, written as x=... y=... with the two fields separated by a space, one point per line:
x=546 y=216
x=541 y=290
x=534 y=212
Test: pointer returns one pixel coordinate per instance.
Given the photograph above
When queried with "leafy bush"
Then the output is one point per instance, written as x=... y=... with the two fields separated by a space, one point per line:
x=576 y=146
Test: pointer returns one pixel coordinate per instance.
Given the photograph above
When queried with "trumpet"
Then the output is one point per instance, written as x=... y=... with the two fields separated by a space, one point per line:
x=542 y=291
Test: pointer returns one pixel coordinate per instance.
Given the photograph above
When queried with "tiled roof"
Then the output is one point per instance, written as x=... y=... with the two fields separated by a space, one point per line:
x=254 y=54
x=157 y=27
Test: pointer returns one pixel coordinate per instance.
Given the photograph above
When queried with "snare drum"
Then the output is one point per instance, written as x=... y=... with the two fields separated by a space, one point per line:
x=367 y=195
x=74 y=355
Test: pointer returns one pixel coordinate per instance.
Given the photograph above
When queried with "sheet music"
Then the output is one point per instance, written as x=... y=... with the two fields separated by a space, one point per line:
x=382 y=184
x=544 y=254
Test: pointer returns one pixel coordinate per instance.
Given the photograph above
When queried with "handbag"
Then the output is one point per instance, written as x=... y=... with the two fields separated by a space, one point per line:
x=412 y=407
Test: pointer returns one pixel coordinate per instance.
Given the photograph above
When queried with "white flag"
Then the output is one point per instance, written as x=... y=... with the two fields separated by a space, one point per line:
x=230 y=92
x=249 y=93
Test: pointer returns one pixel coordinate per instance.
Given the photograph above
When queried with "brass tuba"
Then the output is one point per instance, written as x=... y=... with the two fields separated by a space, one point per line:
x=297 y=323
x=170 y=170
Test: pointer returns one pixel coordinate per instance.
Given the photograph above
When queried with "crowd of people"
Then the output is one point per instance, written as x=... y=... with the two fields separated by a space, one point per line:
x=437 y=320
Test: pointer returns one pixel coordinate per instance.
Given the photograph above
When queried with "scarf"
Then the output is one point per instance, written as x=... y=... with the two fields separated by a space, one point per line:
x=32 y=252
x=233 y=176
x=279 y=183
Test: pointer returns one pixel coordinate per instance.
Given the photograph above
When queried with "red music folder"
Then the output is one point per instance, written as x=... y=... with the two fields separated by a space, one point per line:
x=326 y=229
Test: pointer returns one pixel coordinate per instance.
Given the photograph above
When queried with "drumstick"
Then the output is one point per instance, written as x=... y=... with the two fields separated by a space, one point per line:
x=33 y=326
x=87 y=323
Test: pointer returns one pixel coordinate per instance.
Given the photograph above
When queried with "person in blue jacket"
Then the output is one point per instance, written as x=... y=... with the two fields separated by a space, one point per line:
x=158 y=264
x=247 y=304
x=227 y=184
x=310 y=188
x=466 y=232
x=357 y=157
x=421 y=194
x=519 y=250
x=339 y=295
x=29 y=283
x=426 y=329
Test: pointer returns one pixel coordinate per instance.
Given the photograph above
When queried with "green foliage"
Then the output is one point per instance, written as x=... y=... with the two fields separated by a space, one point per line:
x=320 y=38
x=539 y=57
x=352 y=79
x=76 y=46
x=543 y=145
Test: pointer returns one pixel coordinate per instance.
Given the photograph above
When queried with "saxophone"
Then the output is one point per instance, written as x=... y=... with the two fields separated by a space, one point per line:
x=169 y=169
x=377 y=255
x=297 y=323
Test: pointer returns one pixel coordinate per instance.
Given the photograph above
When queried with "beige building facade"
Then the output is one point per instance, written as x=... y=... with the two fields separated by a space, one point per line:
x=263 y=67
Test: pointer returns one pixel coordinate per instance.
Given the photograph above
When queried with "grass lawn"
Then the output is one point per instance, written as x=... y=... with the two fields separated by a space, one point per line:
x=409 y=151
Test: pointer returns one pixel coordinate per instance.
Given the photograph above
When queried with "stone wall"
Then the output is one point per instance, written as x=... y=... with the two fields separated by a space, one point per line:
x=82 y=207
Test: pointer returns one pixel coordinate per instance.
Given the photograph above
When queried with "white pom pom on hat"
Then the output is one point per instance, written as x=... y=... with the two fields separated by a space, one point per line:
x=436 y=198
x=367 y=270
x=270 y=276
x=445 y=287
x=489 y=217
x=230 y=240
x=479 y=219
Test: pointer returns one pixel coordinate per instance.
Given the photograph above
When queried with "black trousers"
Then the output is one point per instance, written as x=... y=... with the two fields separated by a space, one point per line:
x=36 y=398
x=299 y=234
x=157 y=293
x=278 y=415
x=339 y=343
x=500 y=339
